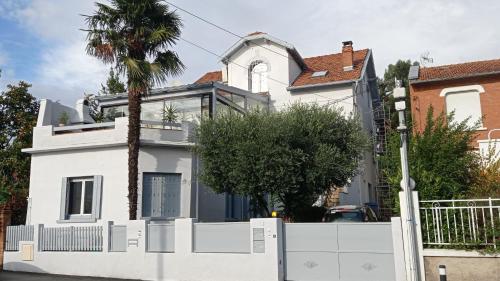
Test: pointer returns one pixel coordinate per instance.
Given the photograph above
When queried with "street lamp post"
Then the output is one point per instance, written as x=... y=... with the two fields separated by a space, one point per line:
x=407 y=185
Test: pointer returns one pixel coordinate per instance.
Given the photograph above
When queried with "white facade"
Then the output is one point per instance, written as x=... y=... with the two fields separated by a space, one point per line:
x=98 y=152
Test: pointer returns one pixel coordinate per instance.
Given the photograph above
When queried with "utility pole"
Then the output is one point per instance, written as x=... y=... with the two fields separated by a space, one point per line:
x=407 y=184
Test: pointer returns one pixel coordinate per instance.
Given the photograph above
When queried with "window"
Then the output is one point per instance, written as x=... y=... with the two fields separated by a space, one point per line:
x=258 y=74
x=465 y=103
x=80 y=196
x=80 y=199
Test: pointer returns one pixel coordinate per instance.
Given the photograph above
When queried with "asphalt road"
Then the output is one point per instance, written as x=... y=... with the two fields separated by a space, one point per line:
x=21 y=276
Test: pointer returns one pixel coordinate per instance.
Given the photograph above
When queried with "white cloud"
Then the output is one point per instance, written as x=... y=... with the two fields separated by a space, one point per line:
x=69 y=66
x=451 y=30
x=65 y=71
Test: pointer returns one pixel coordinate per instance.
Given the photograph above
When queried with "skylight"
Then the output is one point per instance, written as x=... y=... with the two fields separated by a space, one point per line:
x=319 y=73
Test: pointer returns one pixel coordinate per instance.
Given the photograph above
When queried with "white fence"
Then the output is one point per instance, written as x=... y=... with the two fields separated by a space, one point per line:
x=173 y=256
x=474 y=222
x=71 y=238
x=16 y=233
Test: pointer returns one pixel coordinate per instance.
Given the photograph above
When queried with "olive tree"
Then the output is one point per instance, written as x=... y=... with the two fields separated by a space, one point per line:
x=289 y=157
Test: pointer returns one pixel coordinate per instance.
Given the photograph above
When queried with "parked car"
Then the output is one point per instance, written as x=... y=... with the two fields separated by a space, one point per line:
x=350 y=213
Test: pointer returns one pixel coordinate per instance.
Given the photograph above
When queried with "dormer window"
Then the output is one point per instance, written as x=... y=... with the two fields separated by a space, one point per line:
x=257 y=77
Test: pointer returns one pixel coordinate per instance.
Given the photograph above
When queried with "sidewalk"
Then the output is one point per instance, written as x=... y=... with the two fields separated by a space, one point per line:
x=24 y=276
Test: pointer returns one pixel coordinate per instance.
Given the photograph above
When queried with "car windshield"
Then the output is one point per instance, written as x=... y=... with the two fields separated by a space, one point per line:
x=352 y=216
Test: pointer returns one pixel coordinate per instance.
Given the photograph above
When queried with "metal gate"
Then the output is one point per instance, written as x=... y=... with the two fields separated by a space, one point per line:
x=339 y=251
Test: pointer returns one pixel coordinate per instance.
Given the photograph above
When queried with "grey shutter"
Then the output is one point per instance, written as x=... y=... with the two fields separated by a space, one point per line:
x=156 y=181
x=172 y=195
x=64 y=199
x=96 y=197
x=146 y=196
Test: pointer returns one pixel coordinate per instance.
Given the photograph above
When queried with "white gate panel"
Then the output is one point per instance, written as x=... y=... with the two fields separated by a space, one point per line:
x=339 y=252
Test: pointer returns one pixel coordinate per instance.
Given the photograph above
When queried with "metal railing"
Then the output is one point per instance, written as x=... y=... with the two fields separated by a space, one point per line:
x=16 y=233
x=451 y=223
x=72 y=238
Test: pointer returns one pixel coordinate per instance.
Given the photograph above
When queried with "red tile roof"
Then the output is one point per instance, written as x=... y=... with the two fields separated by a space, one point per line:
x=210 y=77
x=331 y=63
x=460 y=70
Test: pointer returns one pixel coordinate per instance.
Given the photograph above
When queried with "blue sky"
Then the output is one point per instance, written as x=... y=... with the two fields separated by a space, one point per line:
x=40 y=40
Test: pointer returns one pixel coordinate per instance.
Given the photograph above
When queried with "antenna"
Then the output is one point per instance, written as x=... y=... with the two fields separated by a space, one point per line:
x=426 y=58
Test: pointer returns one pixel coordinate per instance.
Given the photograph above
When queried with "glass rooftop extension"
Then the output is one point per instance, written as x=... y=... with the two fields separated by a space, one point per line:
x=187 y=103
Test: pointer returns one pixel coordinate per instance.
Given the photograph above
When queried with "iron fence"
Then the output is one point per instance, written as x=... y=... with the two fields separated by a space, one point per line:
x=453 y=223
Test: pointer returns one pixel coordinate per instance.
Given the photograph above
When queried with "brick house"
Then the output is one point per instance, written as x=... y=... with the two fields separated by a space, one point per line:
x=471 y=90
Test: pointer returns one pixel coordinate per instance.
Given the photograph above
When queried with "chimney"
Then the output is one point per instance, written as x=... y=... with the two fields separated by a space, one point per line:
x=347 y=55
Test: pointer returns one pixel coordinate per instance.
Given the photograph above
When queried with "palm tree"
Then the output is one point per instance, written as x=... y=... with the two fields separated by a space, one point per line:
x=135 y=36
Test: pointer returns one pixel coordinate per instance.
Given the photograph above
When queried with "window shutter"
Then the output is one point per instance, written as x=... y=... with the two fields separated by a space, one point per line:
x=465 y=105
x=96 y=199
x=64 y=199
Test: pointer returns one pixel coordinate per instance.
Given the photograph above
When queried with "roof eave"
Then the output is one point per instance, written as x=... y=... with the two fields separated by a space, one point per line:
x=289 y=47
x=455 y=78
x=320 y=85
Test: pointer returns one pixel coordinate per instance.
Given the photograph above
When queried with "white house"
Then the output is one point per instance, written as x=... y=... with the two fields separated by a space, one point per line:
x=79 y=169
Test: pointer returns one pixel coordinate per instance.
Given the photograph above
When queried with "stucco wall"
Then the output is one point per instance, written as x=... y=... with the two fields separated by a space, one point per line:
x=278 y=61
x=48 y=169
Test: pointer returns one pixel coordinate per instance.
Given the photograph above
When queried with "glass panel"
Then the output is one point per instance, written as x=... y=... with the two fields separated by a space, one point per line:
x=205 y=106
x=152 y=111
x=187 y=109
x=110 y=113
x=255 y=104
x=75 y=198
x=87 y=199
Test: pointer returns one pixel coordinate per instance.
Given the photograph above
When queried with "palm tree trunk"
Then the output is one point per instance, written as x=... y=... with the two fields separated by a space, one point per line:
x=134 y=132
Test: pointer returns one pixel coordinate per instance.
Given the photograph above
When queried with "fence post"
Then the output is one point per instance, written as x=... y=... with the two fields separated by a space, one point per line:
x=71 y=238
x=492 y=222
x=184 y=232
x=41 y=246
x=418 y=230
x=5 y=215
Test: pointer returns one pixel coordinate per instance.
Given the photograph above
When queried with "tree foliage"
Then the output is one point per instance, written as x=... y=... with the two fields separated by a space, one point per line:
x=487 y=181
x=18 y=115
x=135 y=36
x=440 y=158
x=113 y=85
x=293 y=156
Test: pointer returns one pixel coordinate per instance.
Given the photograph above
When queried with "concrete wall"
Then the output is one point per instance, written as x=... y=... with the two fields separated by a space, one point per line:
x=184 y=264
x=461 y=265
